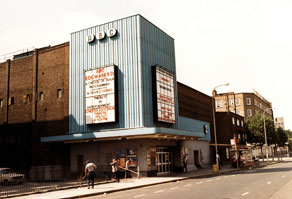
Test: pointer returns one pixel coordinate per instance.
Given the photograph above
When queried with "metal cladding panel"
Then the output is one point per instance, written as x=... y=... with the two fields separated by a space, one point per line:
x=157 y=48
x=122 y=51
x=195 y=126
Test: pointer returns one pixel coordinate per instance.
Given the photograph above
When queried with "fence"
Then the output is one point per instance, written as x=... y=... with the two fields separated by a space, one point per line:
x=40 y=179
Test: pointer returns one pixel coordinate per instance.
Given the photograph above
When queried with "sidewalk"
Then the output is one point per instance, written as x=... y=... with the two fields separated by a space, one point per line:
x=126 y=184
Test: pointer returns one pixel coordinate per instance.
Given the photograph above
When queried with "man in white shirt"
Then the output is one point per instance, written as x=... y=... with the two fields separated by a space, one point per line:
x=89 y=171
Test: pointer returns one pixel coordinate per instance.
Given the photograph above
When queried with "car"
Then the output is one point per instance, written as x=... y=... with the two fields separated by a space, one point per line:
x=8 y=176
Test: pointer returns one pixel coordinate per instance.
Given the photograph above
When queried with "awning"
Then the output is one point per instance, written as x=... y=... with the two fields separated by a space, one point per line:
x=134 y=133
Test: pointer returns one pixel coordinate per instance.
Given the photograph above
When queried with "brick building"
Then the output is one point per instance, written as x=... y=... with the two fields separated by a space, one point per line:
x=229 y=126
x=34 y=96
x=244 y=104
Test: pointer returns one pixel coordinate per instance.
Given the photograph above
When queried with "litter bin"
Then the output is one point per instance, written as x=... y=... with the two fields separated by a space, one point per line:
x=215 y=169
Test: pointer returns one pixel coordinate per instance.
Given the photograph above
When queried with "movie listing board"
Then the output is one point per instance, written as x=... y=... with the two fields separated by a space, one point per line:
x=165 y=96
x=100 y=105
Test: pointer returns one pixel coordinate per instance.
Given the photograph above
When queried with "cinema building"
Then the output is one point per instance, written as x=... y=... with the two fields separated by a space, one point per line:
x=124 y=101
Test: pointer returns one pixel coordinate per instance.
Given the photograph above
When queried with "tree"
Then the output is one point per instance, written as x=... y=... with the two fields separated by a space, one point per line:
x=254 y=127
x=282 y=137
x=289 y=134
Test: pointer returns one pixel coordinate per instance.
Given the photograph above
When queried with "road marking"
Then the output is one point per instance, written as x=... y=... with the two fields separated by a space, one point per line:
x=174 y=188
x=187 y=185
x=159 y=191
x=226 y=177
x=209 y=180
x=245 y=193
x=283 y=176
x=269 y=182
x=139 y=195
x=218 y=178
x=199 y=183
x=232 y=175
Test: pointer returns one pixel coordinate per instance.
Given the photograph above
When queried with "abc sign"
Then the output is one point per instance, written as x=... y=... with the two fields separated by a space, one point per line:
x=101 y=35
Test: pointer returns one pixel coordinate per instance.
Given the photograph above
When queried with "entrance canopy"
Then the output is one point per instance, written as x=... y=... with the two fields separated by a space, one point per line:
x=134 y=133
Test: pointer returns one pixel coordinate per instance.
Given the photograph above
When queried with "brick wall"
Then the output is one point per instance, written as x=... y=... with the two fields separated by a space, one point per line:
x=3 y=91
x=44 y=70
x=194 y=104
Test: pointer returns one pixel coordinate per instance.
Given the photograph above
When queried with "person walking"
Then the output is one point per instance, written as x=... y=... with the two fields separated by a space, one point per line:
x=185 y=162
x=128 y=173
x=115 y=169
x=219 y=161
x=89 y=171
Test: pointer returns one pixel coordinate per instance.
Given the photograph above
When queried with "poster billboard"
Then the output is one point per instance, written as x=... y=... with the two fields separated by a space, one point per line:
x=164 y=90
x=100 y=95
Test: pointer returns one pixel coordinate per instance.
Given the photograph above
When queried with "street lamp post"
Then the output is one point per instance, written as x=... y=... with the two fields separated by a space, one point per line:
x=265 y=131
x=215 y=136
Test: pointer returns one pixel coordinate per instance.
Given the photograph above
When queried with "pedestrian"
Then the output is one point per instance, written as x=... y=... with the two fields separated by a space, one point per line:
x=89 y=171
x=185 y=162
x=219 y=161
x=128 y=173
x=233 y=161
x=115 y=169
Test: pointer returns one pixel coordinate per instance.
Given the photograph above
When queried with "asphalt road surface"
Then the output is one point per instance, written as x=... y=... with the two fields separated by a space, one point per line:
x=274 y=181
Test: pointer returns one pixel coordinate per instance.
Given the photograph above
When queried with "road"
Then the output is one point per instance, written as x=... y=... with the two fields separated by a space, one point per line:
x=274 y=181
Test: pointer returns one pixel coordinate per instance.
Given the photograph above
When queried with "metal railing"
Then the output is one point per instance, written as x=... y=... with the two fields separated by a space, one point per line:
x=41 y=179
x=7 y=56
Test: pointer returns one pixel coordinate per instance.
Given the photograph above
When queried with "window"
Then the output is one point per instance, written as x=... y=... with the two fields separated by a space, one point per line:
x=237 y=122
x=41 y=96
x=1 y=102
x=256 y=102
x=233 y=120
x=59 y=93
x=237 y=101
x=249 y=112
x=248 y=101
x=241 y=123
x=261 y=106
x=231 y=102
x=11 y=100
x=219 y=103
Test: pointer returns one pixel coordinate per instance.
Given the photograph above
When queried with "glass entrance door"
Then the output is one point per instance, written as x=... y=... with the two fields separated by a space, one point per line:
x=163 y=160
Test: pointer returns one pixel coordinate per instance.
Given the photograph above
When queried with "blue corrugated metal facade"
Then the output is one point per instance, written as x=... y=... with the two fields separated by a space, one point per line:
x=137 y=46
x=145 y=98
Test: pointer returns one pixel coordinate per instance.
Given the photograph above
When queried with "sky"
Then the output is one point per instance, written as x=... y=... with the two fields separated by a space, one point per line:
x=247 y=43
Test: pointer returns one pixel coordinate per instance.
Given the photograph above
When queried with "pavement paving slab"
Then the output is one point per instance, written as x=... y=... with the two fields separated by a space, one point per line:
x=126 y=184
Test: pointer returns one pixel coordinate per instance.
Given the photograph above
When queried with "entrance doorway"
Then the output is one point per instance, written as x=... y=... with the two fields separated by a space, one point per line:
x=163 y=160
x=80 y=164
x=196 y=159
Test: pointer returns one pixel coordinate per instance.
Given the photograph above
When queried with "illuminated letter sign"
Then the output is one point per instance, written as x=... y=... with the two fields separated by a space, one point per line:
x=112 y=32
x=90 y=38
x=100 y=103
x=164 y=90
x=100 y=35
